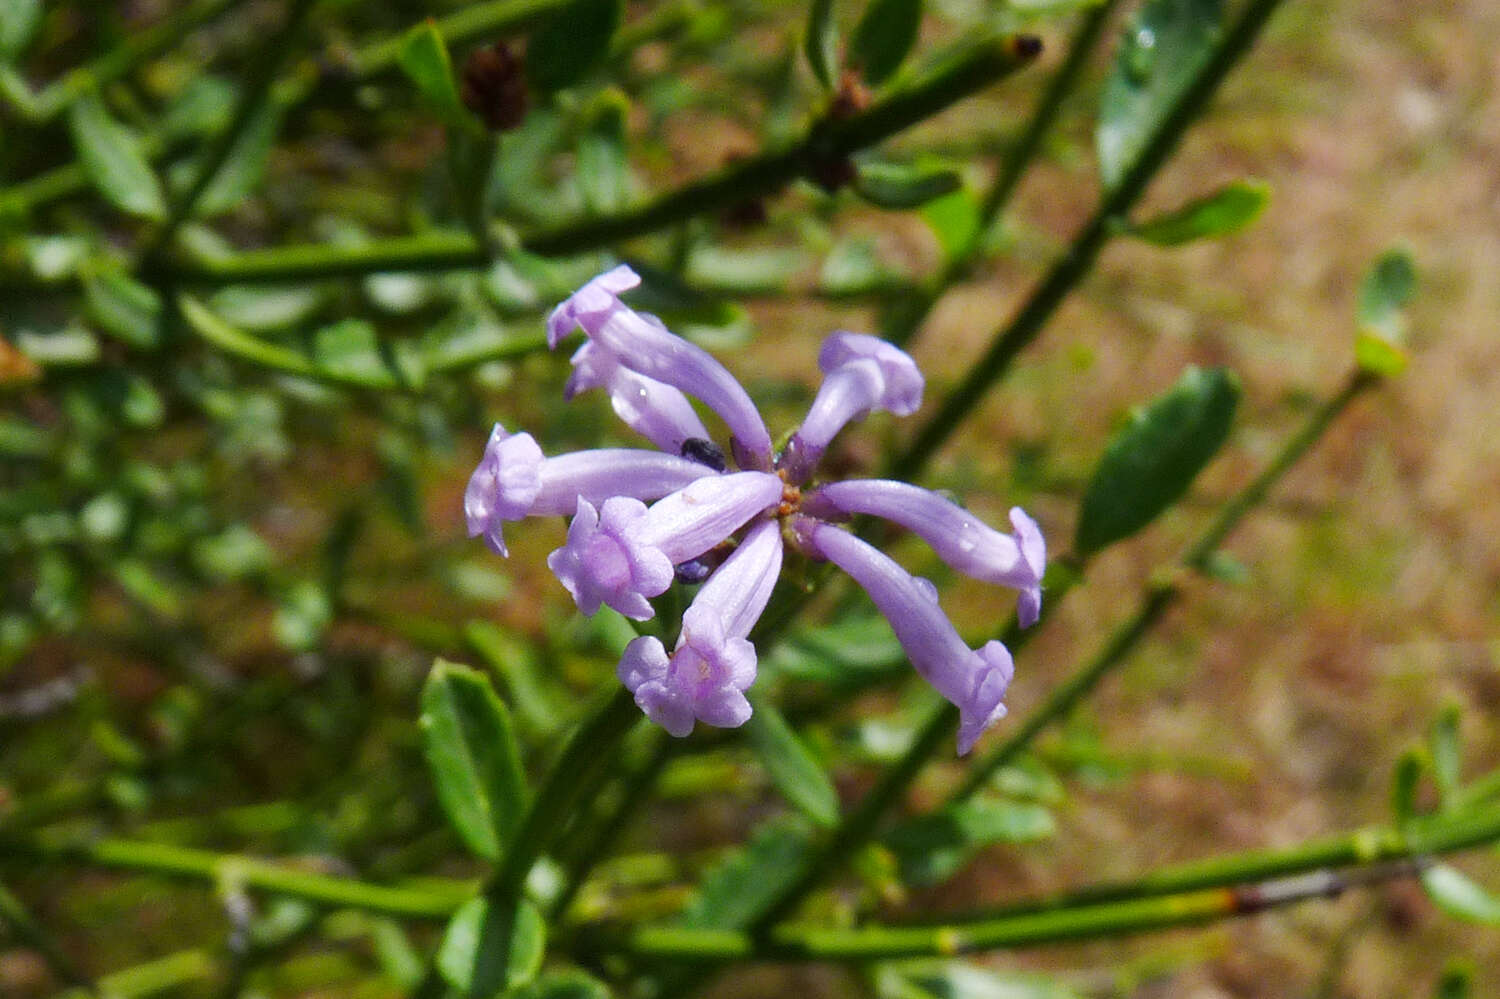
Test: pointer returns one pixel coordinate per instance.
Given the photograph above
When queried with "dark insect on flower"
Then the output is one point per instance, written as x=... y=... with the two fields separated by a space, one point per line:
x=493 y=86
x=705 y=452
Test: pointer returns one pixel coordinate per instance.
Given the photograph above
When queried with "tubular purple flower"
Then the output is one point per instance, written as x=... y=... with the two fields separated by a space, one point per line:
x=623 y=553
x=862 y=373
x=974 y=681
x=642 y=344
x=514 y=480
x=706 y=676
x=960 y=539
x=653 y=409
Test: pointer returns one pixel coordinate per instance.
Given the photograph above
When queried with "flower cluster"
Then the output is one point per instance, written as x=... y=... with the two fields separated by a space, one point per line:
x=642 y=518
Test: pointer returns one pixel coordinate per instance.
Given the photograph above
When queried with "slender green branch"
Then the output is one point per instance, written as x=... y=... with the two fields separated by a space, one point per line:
x=433 y=900
x=1012 y=168
x=141 y=980
x=1264 y=880
x=1164 y=591
x=255 y=92
x=1080 y=256
x=967 y=73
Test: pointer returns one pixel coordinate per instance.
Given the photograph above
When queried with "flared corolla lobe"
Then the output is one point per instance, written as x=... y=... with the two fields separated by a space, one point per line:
x=958 y=537
x=706 y=676
x=861 y=374
x=974 y=681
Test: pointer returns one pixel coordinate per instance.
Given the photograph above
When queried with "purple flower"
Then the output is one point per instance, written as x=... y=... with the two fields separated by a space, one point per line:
x=624 y=553
x=724 y=526
x=705 y=677
x=974 y=681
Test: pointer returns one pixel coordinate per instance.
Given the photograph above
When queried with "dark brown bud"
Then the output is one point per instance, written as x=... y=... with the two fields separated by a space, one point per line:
x=832 y=173
x=851 y=98
x=493 y=86
x=1026 y=46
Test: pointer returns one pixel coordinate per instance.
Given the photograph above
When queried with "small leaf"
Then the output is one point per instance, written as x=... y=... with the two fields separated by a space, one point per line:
x=349 y=351
x=821 y=43
x=304 y=613
x=934 y=847
x=733 y=893
x=954 y=220
x=1164 y=47
x=1153 y=459
x=899 y=186
x=112 y=158
x=1380 y=337
x=1404 y=784
x=798 y=777
x=473 y=756
x=491 y=948
x=1445 y=745
x=423 y=57
x=245 y=166
x=1228 y=210
x=1453 y=892
x=603 y=174
x=571 y=984
x=124 y=308
x=1226 y=569
x=566 y=47
x=884 y=37
x=18 y=23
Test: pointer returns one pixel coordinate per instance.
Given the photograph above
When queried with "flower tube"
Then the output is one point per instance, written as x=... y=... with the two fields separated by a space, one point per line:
x=705 y=677
x=653 y=409
x=623 y=553
x=960 y=539
x=974 y=681
x=515 y=480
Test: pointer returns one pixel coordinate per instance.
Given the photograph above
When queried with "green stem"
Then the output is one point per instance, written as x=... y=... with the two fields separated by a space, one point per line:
x=1012 y=168
x=1163 y=593
x=965 y=74
x=1224 y=887
x=170 y=972
x=1079 y=258
x=256 y=91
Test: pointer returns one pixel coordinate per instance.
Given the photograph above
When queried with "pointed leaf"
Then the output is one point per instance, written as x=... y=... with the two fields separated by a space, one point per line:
x=739 y=888
x=1452 y=891
x=799 y=777
x=603 y=176
x=821 y=43
x=490 y=948
x=349 y=351
x=1404 y=784
x=423 y=57
x=112 y=158
x=1445 y=746
x=884 y=37
x=245 y=166
x=566 y=47
x=472 y=753
x=124 y=308
x=899 y=185
x=1162 y=50
x=1228 y=210
x=934 y=847
x=1153 y=459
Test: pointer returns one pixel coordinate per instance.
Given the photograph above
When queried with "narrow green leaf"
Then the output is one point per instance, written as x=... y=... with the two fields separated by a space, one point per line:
x=1228 y=210
x=1380 y=319
x=124 y=308
x=567 y=45
x=112 y=158
x=884 y=37
x=1153 y=459
x=226 y=337
x=1452 y=891
x=19 y=20
x=821 y=43
x=472 y=752
x=899 y=185
x=934 y=847
x=491 y=948
x=798 y=777
x=349 y=351
x=740 y=887
x=1404 y=784
x=1162 y=50
x=1445 y=745
x=423 y=57
x=245 y=166
x=571 y=984
x=603 y=174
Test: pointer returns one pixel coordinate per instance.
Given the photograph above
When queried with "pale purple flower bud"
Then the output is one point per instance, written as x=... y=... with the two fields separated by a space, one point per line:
x=862 y=373
x=653 y=409
x=642 y=344
x=974 y=681
x=705 y=678
x=514 y=480
x=623 y=553
x=960 y=539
